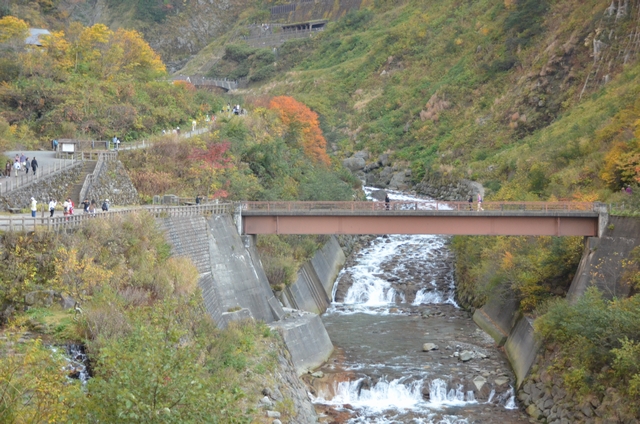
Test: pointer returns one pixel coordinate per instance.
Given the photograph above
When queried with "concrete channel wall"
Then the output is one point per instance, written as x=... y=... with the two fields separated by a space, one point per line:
x=235 y=287
x=601 y=266
x=312 y=290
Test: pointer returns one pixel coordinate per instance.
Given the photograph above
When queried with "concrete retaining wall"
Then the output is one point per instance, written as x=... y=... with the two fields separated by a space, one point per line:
x=601 y=263
x=521 y=348
x=600 y=266
x=306 y=338
x=229 y=279
x=312 y=290
x=497 y=317
x=235 y=287
x=318 y=9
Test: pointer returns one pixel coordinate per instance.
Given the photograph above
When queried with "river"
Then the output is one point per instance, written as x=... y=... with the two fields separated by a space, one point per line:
x=405 y=352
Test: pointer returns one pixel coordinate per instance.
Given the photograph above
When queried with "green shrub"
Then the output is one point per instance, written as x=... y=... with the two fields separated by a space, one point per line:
x=593 y=336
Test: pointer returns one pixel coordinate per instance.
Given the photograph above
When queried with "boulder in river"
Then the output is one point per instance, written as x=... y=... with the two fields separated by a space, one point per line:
x=466 y=356
x=427 y=347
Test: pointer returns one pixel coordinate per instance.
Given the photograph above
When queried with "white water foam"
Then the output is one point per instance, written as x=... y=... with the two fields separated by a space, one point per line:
x=397 y=395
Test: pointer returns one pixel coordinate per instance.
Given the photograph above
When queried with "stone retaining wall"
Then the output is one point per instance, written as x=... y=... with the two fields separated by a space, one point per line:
x=113 y=183
x=54 y=186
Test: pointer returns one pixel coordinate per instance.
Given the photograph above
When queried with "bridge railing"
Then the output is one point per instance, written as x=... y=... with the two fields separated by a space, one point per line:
x=431 y=205
x=59 y=223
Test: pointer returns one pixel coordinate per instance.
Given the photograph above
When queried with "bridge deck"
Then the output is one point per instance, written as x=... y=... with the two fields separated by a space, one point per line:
x=453 y=218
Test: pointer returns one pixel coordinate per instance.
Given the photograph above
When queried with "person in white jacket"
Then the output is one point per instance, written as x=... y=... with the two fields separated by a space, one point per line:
x=34 y=207
x=52 y=207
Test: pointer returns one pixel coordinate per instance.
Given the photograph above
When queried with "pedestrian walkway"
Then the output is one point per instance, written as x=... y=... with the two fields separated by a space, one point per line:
x=48 y=164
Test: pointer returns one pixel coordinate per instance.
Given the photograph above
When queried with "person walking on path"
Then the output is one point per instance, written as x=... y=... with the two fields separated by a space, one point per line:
x=105 y=205
x=16 y=167
x=34 y=165
x=27 y=165
x=23 y=159
x=65 y=209
x=52 y=207
x=480 y=202
x=54 y=143
x=193 y=125
x=7 y=169
x=34 y=207
x=85 y=205
x=92 y=208
x=471 y=202
x=386 y=201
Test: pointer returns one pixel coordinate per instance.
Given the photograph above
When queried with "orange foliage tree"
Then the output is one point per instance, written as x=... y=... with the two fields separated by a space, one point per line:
x=296 y=116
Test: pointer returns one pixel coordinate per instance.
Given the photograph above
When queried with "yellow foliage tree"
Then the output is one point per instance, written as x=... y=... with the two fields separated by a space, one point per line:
x=12 y=28
x=33 y=384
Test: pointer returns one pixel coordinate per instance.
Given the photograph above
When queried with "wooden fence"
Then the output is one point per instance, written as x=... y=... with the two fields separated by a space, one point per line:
x=61 y=223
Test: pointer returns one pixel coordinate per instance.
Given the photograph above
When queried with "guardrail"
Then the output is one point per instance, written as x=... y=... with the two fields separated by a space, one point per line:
x=426 y=205
x=58 y=223
x=20 y=178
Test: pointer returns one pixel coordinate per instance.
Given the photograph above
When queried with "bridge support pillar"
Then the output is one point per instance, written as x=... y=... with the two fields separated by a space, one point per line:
x=603 y=217
x=237 y=217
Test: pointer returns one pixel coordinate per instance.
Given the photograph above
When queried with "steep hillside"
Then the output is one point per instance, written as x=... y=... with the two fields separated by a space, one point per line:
x=475 y=89
x=176 y=29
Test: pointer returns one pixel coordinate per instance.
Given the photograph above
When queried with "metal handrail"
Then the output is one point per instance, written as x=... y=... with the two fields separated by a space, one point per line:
x=424 y=205
x=22 y=179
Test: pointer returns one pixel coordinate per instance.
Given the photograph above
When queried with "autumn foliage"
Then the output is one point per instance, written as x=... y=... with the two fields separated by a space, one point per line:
x=296 y=116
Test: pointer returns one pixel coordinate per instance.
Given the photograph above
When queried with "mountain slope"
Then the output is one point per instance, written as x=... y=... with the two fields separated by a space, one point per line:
x=469 y=88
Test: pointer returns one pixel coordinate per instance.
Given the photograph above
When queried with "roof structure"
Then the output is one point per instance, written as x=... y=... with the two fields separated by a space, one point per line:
x=34 y=36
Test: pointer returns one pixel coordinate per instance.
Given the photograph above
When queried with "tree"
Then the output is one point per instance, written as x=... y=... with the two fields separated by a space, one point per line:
x=13 y=29
x=303 y=126
x=208 y=162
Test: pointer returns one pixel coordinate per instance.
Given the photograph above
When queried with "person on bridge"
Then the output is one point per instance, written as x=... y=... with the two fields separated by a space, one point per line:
x=471 y=202
x=16 y=167
x=27 y=165
x=34 y=165
x=85 y=205
x=480 y=202
x=386 y=201
x=7 y=169
x=105 y=205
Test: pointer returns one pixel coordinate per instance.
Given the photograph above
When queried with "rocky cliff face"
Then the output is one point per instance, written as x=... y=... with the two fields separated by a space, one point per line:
x=383 y=173
x=182 y=34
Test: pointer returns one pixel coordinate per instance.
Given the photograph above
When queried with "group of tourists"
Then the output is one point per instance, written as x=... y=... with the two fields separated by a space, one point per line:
x=19 y=163
x=89 y=207
x=236 y=110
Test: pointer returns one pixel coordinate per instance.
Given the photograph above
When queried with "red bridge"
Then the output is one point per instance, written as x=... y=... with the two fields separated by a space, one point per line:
x=424 y=217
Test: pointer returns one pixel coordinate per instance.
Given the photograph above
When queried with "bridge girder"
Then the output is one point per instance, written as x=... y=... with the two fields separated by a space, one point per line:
x=469 y=224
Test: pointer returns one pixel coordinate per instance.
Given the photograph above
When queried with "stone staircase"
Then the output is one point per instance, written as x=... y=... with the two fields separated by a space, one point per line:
x=74 y=190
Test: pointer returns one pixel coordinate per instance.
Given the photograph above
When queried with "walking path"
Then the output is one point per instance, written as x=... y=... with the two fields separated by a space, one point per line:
x=47 y=165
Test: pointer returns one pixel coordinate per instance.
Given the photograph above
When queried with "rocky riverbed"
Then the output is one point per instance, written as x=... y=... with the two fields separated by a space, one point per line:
x=405 y=351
